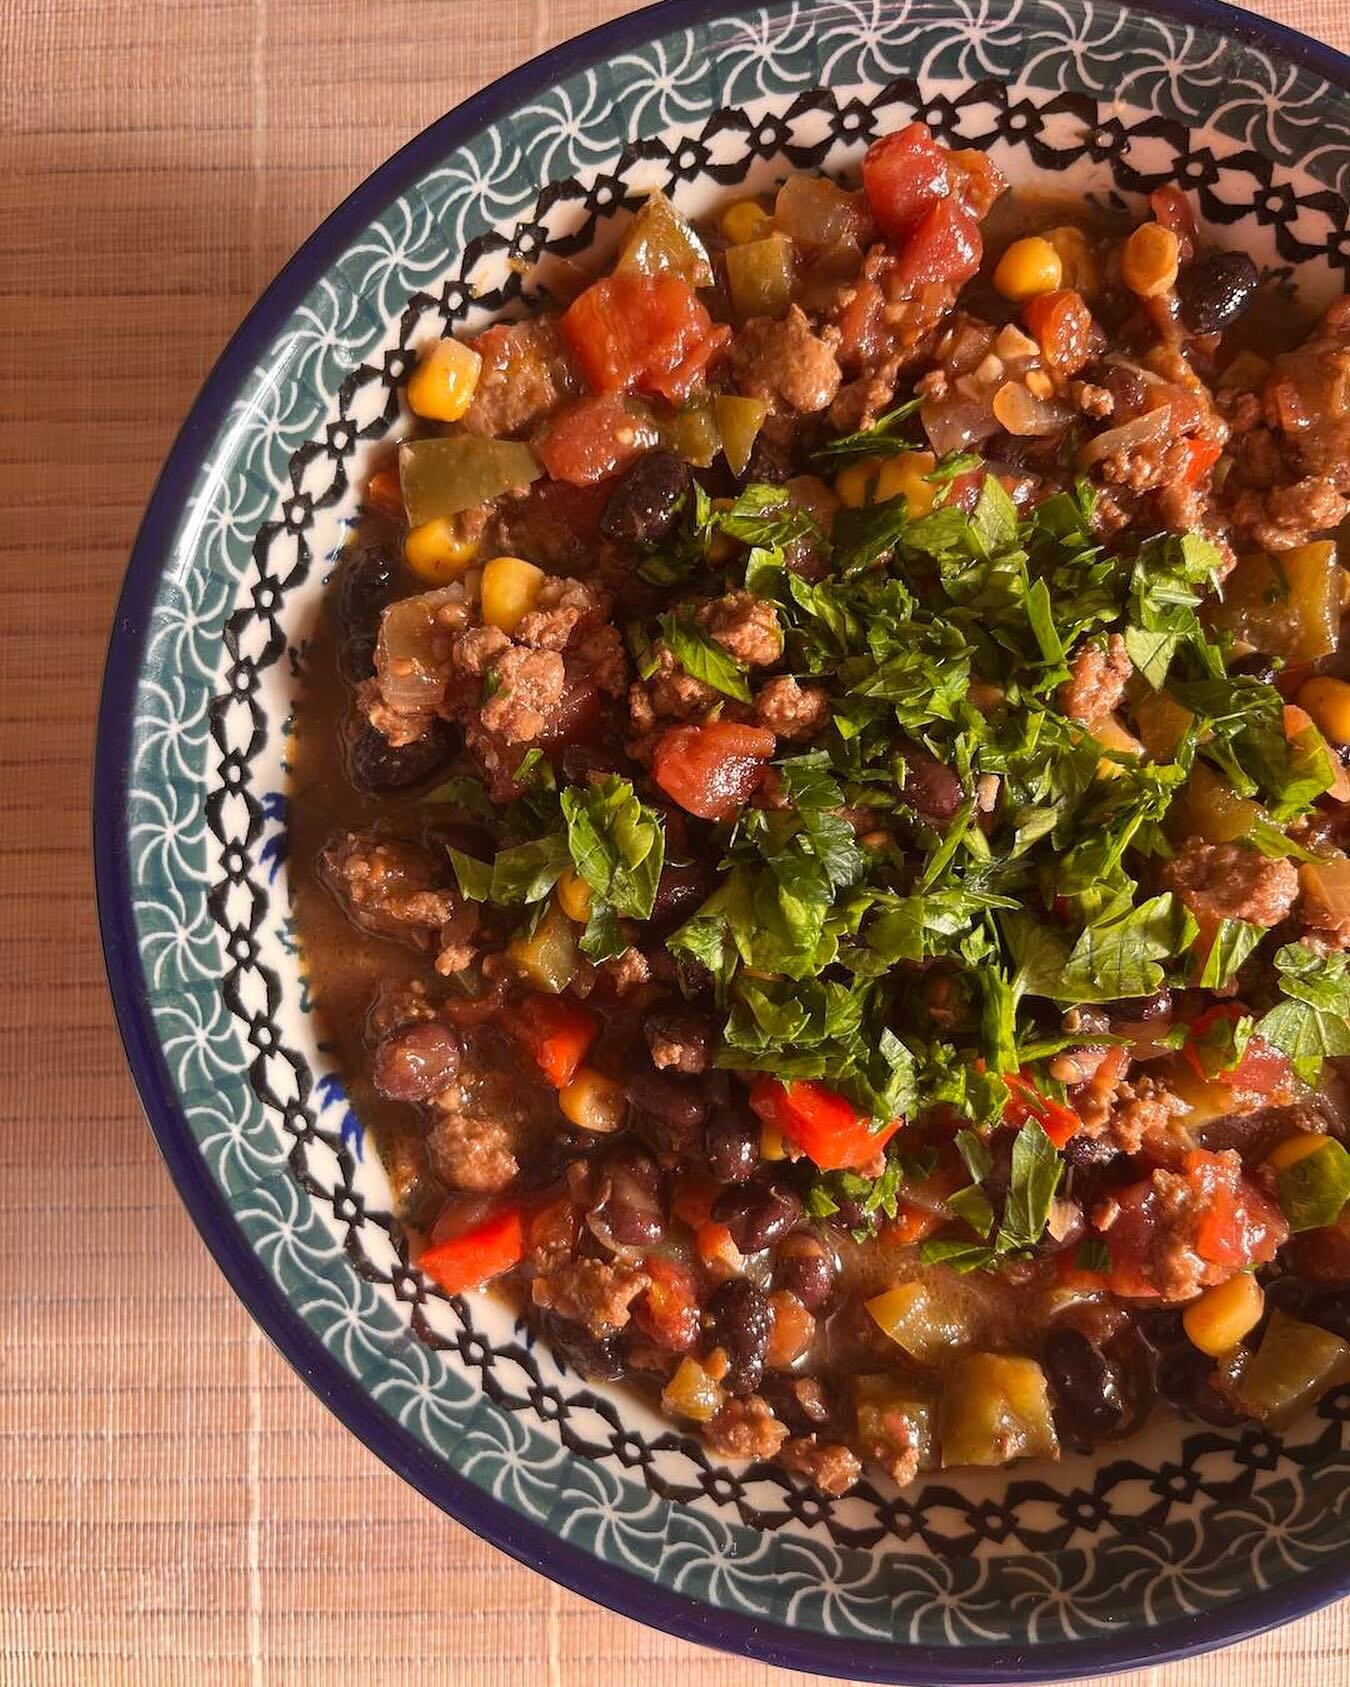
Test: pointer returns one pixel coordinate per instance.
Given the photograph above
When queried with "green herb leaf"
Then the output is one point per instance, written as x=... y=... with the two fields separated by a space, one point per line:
x=703 y=658
x=1313 y=1021
x=1035 y=1177
x=1233 y=942
x=615 y=843
x=885 y=438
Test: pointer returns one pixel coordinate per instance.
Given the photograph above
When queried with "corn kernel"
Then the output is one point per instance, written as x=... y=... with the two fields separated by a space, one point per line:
x=1027 y=269
x=574 y=896
x=593 y=1102
x=1327 y=700
x=1113 y=736
x=443 y=384
x=1217 y=1322
x=1150 y=260
x=438 y=551
x=1076 y=259
x=854 y=484
x=1293 y=1149
x=771 y=1143
x=905 y=474
x=510 y=591
x=745 y=221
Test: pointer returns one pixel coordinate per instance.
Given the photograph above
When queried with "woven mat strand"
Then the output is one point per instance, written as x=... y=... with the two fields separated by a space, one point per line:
x=177 y=1507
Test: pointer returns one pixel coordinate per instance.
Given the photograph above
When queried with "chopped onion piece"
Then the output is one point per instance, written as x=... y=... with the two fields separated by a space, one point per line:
x=1022 y=413
x=1151 y=425
x=411 y=674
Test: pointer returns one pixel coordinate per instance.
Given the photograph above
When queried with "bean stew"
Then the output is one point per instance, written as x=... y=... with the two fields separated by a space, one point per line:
x=820 y=821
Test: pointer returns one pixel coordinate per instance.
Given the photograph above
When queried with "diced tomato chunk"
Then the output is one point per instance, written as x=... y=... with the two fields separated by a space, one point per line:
x=712 y=771
x=860 y=326
x=556 y=1031
x=1201 y=455
x=650 y=332
x=825 y=1125
x=1263 y=1069
x=945 y=246
x=1025 y=1102
x=479 y=1253
x=1062 y=325
x=593 y=439
x=904 y=176
x=1224 y=1220
x=667 y=1311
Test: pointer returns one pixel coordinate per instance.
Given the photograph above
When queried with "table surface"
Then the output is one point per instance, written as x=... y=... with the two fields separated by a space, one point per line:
x=177 y=1506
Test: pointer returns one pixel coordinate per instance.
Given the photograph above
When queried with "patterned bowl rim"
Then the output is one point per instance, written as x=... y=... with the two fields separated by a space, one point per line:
x=531 y=1543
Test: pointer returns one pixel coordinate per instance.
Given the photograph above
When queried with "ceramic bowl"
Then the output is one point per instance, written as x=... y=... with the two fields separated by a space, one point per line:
x=1181 y=1539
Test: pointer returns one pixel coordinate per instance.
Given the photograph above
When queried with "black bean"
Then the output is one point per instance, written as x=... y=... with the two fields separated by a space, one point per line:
x=1138 y=1010
x=363 y=589
x=678 y=889
x=731 y=1145
x=630 y=1210
x=1089 y=1399
x=849 y=1214
x=931 y=789
x=678 y=1103
x=679 y=1039
x=374 y=765
x=740 y=1315
x=598 y=1358
x=1330 y=1309
x=757 y=1214
x=1083 y=1152
x=415 y=1061
x=1185 y=1380
x=1216 y=289
x=1255 y=666
x=771 y=463
x=802 y=1403
x=806 y=1267
x=1290 y=1294
x=643 y=506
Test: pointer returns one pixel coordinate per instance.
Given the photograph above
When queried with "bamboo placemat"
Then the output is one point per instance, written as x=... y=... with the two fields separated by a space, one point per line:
x=176 y=1506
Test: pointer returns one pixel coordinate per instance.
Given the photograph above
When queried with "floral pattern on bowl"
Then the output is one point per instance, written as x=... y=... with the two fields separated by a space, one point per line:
x=1180 y=1538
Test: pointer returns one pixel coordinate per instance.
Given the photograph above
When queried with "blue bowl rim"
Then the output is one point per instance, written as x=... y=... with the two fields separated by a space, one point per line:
x=531 y=1543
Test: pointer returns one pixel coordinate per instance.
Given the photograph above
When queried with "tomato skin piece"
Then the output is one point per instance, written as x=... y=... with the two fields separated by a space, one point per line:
x=476 y=1255
x=593 y=439
x=632 y=331
x=556 y=1031
x=904 y=176
x=945 y=246
x=711 y=771
x=1060 y=1123
x=822 y=1123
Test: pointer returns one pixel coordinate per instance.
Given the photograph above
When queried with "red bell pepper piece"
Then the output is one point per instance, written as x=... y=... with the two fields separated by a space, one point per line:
x=641 y=331
x=904 y=176
x=556 y=1031
x=479 y=1253
x=1201 y=456
x=712 y=771
x=825 y=1125
x=1025 y=1102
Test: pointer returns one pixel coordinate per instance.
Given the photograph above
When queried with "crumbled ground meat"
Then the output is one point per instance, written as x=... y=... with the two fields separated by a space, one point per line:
x=388 y=887
x=785 y=363
x=470 y=1150
x=679 y=1040
x=831 y=1466
x=1140 y=1113
x=1094 y=401
x=627 y=970
x=395 y=1004
x=400 y=727
x=600 y=653
x=745 y=626
x=792 y=711
x=1097 y=682
x=565 y=608
x=1288 y=516
x=898 y=1454
x=458 y=939
x=745 y=1429
x=1227 y=881
x=595 y=1292
x=526 y=375
x=528 y=685
x=670 y=694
